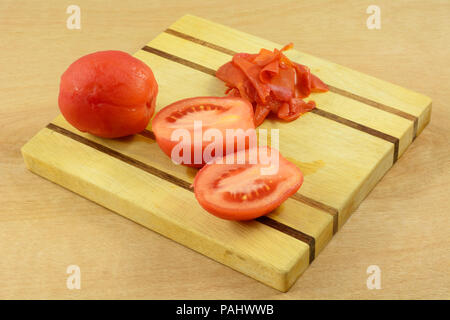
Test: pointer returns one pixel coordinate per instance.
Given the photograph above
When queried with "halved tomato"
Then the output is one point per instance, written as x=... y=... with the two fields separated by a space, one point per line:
x=244 y=190
x=178 y=134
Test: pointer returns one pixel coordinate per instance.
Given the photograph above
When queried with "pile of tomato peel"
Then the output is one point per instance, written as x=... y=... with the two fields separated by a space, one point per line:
x=272 y=83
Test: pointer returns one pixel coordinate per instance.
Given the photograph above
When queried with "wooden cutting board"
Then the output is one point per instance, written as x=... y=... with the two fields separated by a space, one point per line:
x=344 y=147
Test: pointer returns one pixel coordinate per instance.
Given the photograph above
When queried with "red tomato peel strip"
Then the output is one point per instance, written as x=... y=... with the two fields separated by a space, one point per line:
x=271 y=83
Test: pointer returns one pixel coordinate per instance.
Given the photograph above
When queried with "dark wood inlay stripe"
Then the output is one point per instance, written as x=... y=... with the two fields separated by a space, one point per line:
x=179 y=60
x=321 y=206
x=360 y=127
x=148 y=134
x=200 y=42
x=332 y=88
x=180 y=182
x=377 y=105
x=293 y=233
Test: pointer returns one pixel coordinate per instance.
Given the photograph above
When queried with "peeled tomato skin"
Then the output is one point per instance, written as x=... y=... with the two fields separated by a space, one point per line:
x=271 y=83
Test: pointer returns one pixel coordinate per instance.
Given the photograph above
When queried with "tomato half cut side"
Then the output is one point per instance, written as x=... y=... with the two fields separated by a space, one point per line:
x=215 y=113
x=236 y=190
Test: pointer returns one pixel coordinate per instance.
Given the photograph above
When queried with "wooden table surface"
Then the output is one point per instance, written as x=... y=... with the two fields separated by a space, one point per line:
x=402 y=227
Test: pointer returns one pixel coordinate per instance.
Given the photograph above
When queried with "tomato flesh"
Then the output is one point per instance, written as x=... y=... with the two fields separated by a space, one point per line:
x=219 y=113
x=239 y=191
x=108 y=93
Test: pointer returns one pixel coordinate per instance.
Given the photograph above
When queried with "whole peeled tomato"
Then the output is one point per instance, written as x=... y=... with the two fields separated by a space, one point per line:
x=108 y=94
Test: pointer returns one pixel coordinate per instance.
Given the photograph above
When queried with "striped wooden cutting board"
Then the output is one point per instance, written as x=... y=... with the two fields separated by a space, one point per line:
x=343 y=147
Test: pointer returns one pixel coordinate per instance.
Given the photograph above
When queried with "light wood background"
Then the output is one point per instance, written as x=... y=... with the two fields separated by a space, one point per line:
x=403 y=226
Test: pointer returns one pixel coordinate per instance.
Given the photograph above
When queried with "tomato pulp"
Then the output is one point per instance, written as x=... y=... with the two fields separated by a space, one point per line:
x=243 y=191
x=108 y=93
x=177 y=131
